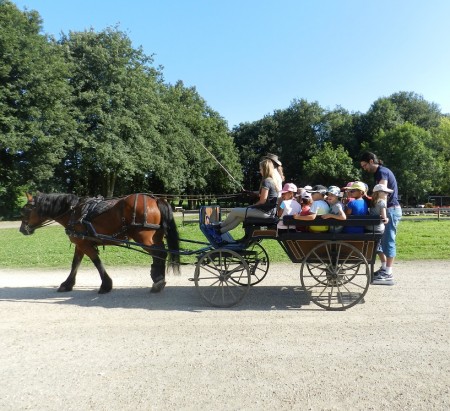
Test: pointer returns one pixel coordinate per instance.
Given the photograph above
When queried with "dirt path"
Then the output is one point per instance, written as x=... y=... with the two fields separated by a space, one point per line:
x=132 y=350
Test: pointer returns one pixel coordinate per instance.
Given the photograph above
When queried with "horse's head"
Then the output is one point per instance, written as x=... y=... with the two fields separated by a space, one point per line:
x=42 y=209
x=30 y=217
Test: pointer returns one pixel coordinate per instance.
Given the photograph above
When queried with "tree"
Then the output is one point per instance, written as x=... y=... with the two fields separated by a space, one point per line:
x=441 y=148
x=341 y=126
x=36 y=125
x=115 y=93
x=331 y=167
x=301 y=134
x=254 y=140
x=414 y=109
x=204 y=142
x=407 y=151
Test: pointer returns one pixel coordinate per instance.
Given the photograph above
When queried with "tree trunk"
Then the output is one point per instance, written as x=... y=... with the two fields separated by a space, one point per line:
x=110 y=180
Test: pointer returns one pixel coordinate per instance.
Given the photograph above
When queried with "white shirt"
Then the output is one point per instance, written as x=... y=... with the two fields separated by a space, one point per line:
x=289 y=207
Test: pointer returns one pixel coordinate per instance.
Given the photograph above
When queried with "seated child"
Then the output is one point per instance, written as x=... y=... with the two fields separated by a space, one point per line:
x=336 y=208
x=358 y=206
x=305 y=201
x=318 y=207
x=378 y=207
x=288 y=205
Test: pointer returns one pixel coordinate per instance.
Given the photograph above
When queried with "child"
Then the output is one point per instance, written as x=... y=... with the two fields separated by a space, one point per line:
x=358 y=206
x=345 y=197
x=336 y=208
x=319 y=207
x=305 y=201
x=289 y=205
x=378 y=207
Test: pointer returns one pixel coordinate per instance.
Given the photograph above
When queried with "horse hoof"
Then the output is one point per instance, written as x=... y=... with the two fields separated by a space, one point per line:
x=103 y=291
x=158 y=286
x=63 y=289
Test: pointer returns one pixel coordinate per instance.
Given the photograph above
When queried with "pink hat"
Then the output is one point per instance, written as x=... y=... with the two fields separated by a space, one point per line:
x=289 y=187
x=347 y=187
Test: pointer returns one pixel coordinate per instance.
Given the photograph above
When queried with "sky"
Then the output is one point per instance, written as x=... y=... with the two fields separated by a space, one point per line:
x=248 y=58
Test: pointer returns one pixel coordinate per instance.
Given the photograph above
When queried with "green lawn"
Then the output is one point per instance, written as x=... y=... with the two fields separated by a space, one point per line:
x=49 y=247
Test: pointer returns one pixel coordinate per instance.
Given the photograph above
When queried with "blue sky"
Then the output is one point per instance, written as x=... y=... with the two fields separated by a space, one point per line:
x=247 y=58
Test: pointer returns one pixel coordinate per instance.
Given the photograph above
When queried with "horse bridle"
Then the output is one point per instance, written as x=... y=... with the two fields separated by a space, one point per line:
x=29 y=207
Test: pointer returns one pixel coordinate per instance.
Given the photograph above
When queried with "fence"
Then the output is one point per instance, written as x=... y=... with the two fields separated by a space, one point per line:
x=418 y=214
x=191 y=216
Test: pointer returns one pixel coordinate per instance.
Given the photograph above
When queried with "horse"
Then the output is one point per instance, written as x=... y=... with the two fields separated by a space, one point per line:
x=90 y=222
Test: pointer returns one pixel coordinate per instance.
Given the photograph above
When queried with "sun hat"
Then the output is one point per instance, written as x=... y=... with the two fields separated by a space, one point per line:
x=306 y=195
x=274 y=158
x=307 y=188
x=382 y=187
x=289 y=187
x=347 y=187
x=358 y=185
x=334 y=190
x=318 y=189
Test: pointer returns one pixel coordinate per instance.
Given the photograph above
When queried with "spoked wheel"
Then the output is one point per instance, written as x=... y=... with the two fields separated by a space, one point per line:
x=336 y=275
x=222 y=277
x=258 y=262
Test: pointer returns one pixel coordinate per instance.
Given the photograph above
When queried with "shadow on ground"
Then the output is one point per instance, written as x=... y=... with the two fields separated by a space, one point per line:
x=171 y=298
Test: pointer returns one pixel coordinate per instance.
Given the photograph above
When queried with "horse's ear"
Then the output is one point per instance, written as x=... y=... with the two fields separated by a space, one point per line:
x=29 y=196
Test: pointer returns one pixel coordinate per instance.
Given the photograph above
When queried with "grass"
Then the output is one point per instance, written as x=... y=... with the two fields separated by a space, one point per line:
x=49 y=247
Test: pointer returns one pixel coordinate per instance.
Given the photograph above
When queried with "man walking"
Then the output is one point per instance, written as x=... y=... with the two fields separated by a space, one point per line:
x=372 y=164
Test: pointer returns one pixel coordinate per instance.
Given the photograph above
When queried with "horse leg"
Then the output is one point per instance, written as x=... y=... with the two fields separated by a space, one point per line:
x=107 y=283
x=158 y=271
x=71 y=279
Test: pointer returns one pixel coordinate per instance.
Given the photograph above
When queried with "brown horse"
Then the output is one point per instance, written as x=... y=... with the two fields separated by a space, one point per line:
x=92 y=222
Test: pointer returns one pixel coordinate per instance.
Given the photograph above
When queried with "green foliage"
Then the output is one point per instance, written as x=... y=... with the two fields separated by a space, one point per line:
x=407 y=151
x=113 y=88
x=331 y=167
x=36 y=126
x=441 y=151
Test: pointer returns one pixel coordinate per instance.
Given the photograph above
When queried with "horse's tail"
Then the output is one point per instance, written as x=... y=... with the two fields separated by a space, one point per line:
x=171 y=233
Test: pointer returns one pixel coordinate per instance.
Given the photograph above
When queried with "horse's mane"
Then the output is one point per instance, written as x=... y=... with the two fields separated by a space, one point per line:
x=53 y=205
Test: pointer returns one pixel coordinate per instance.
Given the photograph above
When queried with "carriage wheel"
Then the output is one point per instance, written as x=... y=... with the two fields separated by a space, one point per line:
x=222 y=277
x=336 y=275
x=258 y=262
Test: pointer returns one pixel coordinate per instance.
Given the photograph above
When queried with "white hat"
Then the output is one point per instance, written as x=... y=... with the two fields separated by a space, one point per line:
x=307 y=187
x=289 y=187
x=306 y=195
x=382 y=187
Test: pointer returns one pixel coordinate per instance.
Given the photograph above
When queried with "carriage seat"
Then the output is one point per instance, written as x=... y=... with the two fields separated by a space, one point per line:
x=260 y=227
x=255 y=221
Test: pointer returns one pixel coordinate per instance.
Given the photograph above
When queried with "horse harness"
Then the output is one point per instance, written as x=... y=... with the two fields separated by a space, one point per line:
x=92 y=207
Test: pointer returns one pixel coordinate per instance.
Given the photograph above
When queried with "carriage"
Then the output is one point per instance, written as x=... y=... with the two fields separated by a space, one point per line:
x=336 y=268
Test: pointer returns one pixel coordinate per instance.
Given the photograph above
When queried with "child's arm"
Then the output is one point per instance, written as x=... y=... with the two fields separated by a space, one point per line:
x=280 y=209
x=340 y=216
x=383 y=216
x=308 y=217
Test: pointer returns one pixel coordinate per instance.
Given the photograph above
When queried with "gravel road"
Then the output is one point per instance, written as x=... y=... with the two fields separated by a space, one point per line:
x=132 y=350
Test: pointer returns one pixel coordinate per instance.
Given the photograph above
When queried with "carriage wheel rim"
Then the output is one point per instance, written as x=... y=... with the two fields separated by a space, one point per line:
x=336 y=275
x=216 y=276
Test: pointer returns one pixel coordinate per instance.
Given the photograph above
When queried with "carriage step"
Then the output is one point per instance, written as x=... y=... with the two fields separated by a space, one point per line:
x=191 y=279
